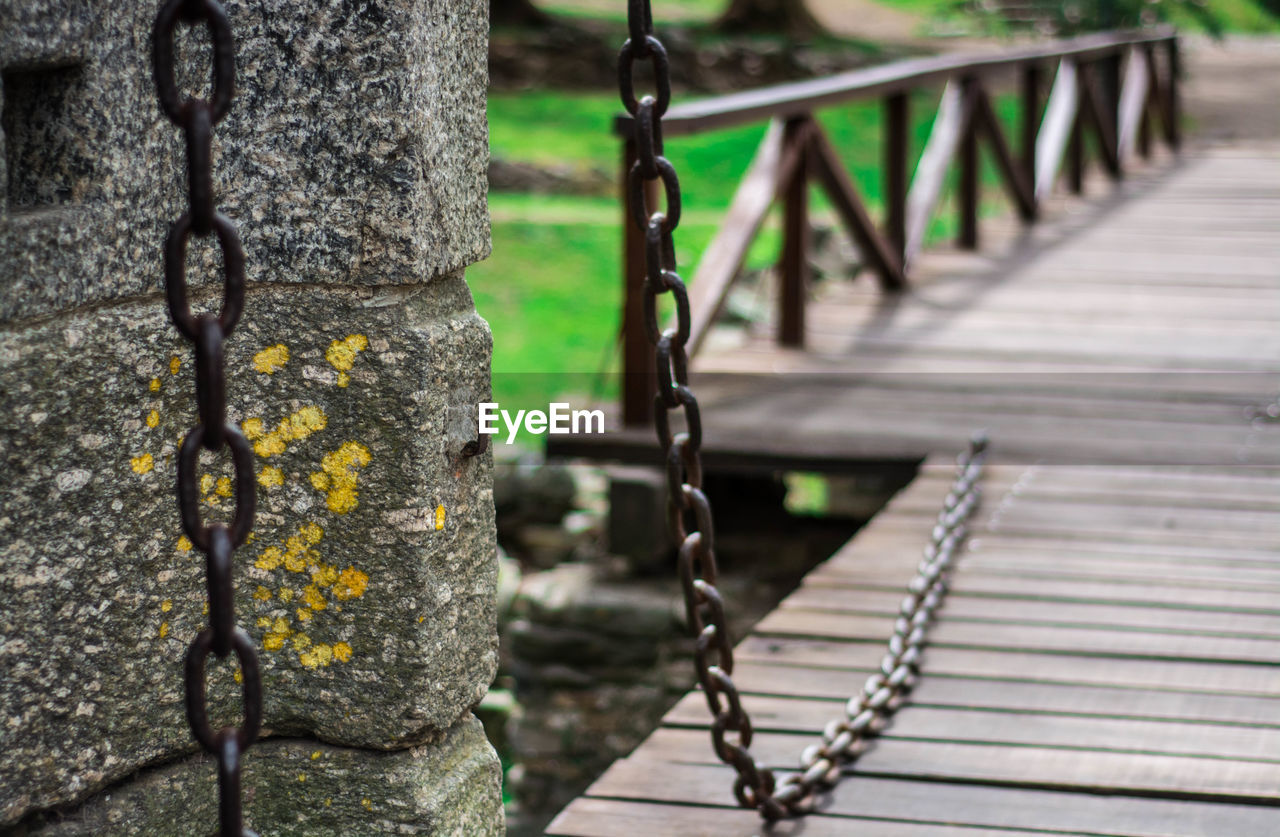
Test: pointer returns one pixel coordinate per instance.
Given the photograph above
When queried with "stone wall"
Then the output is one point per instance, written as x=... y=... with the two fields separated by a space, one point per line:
x=353 y=161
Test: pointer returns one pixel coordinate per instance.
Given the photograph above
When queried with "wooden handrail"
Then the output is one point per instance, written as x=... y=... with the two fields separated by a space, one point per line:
x=795 y=150
x=798 y=98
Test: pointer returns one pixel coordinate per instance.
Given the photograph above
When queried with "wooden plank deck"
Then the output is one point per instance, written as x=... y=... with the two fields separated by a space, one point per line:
x=1105 y=661
x=1104 y=664
x=1140 y=326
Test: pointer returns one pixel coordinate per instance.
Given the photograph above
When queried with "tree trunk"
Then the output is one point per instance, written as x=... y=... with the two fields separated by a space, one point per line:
x=516 y=13
x=785 y=17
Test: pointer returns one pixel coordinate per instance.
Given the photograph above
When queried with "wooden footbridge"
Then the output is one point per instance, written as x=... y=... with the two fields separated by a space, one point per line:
x=1104 y=662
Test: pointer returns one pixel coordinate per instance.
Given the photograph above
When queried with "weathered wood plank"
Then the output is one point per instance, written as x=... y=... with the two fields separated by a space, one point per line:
x=591 y=817
x=1099 y=642
x=999 y=725
x=831 y=688
x=1010 y=765
x=1037 y=611
x=896 y=800
x=1080 y=669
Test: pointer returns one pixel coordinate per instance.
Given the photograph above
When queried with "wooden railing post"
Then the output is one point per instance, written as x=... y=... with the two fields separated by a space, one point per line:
x=1031 y=117
x=897 y=150
x=967 y=192
x=639 y=379
x=1110 y=106
x=1075 y=146
x=1172 y=128
x=793 y=266
x=1153 y=91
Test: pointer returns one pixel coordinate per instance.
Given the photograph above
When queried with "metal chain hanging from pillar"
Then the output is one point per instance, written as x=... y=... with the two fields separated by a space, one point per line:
x=867 y=713
x=196 y=117
x=704 y=606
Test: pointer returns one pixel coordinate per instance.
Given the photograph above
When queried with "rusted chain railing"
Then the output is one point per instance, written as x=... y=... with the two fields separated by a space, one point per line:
x=1114 y=86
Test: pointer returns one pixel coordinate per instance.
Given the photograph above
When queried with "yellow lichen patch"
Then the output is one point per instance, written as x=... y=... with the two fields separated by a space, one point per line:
x=142 y=464
x=342 y=355
x=341 y=652
x=239 y=676
x=270 y=477
x=302 y=777
x=318 y=656
x=223 y=487
x=324 y=574
x=269 y=558
x=295 y=555
x=315 y=755
x=175 y=363
x=337 y=476
x=301 y=642
x=351 y=584
x=314 y=600
x=264 y=621
x=207 y=483
x=439 y=517
x=166 y=605
x=294 y=428
x=184 y=544
x=154 y=385
x=164 y=630
x=271 y=359
x=273 y=640
x=153 y=418
x=367 y=803
x=285 y=594
x=304 y=615
x=311 y=533
x=262 y=594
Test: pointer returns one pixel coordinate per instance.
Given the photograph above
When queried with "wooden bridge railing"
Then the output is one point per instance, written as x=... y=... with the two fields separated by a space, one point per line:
x=1107 y=84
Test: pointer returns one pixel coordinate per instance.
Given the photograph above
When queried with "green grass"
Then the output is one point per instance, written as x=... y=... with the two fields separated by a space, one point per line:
x=669 y=11
x=1234 y=16
x=552 y=289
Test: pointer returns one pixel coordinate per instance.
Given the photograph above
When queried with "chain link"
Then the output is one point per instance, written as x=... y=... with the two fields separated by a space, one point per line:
x=207 y=333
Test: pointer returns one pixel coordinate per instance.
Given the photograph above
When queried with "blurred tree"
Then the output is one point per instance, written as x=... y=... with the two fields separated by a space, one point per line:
x=780 y=17
x=516 y=13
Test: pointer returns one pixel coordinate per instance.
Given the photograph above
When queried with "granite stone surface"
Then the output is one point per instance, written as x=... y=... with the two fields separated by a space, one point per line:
x=369 y=582
x=355 y=152
x=303 y=789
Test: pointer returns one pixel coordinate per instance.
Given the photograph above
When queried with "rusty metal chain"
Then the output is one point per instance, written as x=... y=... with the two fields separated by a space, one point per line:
x=866 y=714
x=731 y=728
x=207 y=332
x=755 y=785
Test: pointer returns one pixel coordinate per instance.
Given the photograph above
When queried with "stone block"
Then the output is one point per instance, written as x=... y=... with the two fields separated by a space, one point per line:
x=637 y=523
x=369 y=583
x=304 y=789
x=355 y=152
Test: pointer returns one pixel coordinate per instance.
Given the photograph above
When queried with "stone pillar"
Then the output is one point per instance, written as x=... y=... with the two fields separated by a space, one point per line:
x=353 y=161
